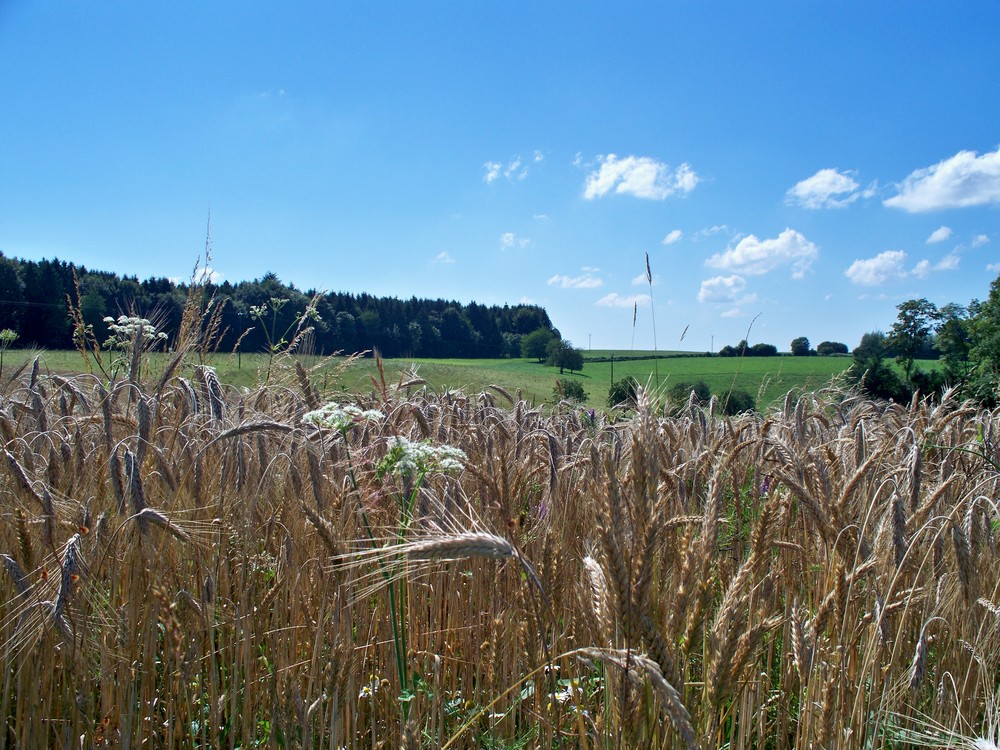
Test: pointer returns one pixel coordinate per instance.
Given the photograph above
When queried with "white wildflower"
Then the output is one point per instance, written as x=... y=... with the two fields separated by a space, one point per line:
x=341 y=417
x=408 y=458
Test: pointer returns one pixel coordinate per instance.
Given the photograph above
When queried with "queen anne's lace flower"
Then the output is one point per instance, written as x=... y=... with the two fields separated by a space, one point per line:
x=407 y=458
x=341 y=417
x=125 y=329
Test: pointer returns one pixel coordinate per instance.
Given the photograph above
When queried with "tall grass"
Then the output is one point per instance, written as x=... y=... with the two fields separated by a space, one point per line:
x=192 y=565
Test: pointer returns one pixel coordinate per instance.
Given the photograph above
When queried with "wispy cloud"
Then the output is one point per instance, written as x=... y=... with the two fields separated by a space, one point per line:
x=509 y=239
x=514 y=169
x=616 y=300
x=587 y=280
x=754 y=257
x=828 y=188
x=959 y=182
x=722 y=289
x=993 y=267
x=949 y=262
x=711 y=231
x=939 y=235
x=673 y=236
x=642 y=280
x=443 y=257
x=638 y=176
x=884 y=267
x=492 y=171
x=979 y=240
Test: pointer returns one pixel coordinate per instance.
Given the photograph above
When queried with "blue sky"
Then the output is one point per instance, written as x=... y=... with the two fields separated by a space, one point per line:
x=813 y=164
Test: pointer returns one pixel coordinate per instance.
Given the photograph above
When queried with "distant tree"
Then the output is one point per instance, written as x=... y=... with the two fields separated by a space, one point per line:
x=570 y=390
x=511 y=344
x=561 y=353
x=985 y=350
x=826 y=348
x=872 y=373
x=801 y=347
x=535 y=345
x=622 y=392
x=727 y=351
x=953 y=338
x=763 y=350
x=911 y=332
x=11 y=294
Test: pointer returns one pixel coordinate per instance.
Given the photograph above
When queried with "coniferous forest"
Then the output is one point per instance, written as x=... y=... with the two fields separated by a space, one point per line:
x=35 y=298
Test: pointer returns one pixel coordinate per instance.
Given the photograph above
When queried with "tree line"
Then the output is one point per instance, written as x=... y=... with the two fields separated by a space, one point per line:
x=35 y=298
x=963 y=340
x=800 y=347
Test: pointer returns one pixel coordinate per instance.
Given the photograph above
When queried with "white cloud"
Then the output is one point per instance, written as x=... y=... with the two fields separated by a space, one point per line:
x=722 y=289
x=639 y=176
x=828 y=188
x=948 y=262
x=585 y=281
x=492 y=171
x=993 y=267
x=509 y=239
x=616 y=300
x=939 y=235
x=961 y=181
x=891 y=266
x=514 y=169
x=673 y=236
x=732 y=312
x=979 y=240
x=443 y=257
x=756 y=257
x=886 y=266
x=921 y=269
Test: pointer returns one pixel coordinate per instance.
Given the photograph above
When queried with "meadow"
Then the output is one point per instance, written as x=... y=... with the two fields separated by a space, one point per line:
x=191 y=564
x=768 y=379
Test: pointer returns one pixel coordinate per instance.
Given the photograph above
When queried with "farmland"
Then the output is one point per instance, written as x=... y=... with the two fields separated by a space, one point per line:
x=211 y=565
x=766 y=378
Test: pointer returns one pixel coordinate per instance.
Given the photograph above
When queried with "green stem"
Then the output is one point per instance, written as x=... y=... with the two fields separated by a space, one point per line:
x=398 y=630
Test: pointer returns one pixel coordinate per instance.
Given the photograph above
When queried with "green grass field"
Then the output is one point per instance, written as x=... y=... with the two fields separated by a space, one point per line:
x=766 y=378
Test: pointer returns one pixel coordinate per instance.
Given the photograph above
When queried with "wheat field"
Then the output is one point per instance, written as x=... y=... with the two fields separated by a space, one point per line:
x=189 y=565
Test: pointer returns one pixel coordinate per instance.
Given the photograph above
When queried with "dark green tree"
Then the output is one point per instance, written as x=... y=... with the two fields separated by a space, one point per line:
x=953 y=338
x=911 y=332
x=872 y=373
x=800 y=347
x=535 y=345
x=826 y=348
x=561 y=353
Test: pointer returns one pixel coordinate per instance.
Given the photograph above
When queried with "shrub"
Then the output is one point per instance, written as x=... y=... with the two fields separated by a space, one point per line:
x=681 y=392
x=571 y=390
x=623 y=392
x=737 y=402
